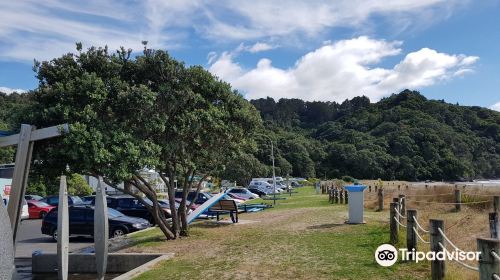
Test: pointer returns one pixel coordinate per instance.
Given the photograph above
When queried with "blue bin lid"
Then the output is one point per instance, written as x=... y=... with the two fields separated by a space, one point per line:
x=355 y=188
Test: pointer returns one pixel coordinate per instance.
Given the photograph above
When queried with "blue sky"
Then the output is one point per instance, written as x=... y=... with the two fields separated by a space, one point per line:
x=314 y=50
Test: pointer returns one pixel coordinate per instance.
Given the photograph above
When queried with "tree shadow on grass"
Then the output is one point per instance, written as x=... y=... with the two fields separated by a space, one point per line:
x=326 y=226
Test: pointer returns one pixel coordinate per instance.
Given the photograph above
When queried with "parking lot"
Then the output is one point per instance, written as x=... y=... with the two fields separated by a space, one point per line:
x=30 y=238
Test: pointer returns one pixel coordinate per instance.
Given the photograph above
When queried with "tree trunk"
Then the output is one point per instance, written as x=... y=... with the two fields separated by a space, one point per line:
x=171 y=200
x=182 y=208
x=155 y=209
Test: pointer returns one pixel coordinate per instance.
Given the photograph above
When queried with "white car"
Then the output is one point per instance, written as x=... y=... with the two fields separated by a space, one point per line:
x=243 y=193
x=24 y=210
x=263 y=186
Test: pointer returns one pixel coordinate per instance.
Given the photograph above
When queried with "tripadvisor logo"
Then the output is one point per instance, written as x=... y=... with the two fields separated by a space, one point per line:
x=387 y=255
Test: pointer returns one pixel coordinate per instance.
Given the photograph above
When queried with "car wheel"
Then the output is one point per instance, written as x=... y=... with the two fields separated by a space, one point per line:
x=42 y=214
x=117 y=232
x=54 y=234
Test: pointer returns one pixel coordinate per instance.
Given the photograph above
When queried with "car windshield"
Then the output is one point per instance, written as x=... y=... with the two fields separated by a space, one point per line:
x=77 y=200
x=112 y=213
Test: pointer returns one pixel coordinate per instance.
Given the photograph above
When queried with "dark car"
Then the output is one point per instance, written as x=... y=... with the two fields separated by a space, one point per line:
x=257 y=192
x=200 y=199
x=131 y=206
x=81 y=222
x=88 y=199
x=54 y=200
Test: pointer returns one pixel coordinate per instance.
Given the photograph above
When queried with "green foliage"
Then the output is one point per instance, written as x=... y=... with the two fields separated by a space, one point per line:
x=404 y=136
x=36 y=187
x=348 y=179
x=78 y=186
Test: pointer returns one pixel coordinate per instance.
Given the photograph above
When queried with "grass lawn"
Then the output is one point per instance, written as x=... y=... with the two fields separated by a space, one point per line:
x=304 y=237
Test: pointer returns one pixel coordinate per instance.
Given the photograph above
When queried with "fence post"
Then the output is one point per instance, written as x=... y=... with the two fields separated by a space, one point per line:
x=369 y=188
x=402 y=203
x=458 y=200
x=346 y=197
x=396 y=200
x=336 y=195
x=411 y=237
x=376 y=188
x=496 y=203
x=341 y=196
x=330 y=196
x=380 y=196
x=493 y=218
x=394 y=223
x=437 y=266
x=488 y=266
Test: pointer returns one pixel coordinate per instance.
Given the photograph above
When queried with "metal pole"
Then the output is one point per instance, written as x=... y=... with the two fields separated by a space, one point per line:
x=274 y=174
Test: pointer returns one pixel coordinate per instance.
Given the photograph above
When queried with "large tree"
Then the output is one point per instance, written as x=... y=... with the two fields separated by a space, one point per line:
x=205 y=124
x=127 y=114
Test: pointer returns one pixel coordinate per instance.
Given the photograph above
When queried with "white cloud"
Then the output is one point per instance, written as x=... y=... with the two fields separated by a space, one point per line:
x=8 y=90
x=261 y=18
x=45 y=29
x=343 y=69
x=260 y=47
x=495 y=107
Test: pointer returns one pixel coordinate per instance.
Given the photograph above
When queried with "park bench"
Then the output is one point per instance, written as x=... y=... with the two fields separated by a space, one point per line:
x=225 y=206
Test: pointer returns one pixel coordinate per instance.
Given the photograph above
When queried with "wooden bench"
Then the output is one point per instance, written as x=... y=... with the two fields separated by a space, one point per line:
x=225 y=206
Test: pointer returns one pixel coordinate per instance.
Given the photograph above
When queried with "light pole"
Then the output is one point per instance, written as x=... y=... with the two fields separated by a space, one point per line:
x=274 y=171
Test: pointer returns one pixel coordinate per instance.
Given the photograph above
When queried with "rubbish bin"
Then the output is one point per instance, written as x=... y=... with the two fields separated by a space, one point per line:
x=356 y=204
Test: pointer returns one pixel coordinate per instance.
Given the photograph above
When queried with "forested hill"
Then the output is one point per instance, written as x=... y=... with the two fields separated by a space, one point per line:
x=404 y=136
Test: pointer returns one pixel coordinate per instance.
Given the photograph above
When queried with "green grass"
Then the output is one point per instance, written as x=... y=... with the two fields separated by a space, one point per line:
x=311 y=243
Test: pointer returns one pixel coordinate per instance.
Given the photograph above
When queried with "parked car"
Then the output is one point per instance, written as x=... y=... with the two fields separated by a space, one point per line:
x=166 y=205
x=81 y=222
x=29 y=197
x=54 y=200
x=38 y=209
x=131 y=206
x=200 y=199
x=88 y=199
x=243 y=193
x=24 y=209
x=261 y=186
x=25 y=214
x=257 y=192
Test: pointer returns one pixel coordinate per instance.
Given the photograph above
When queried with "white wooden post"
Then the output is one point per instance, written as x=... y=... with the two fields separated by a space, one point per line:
x=62 y=231
x=20 y=178
x=101 y=230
